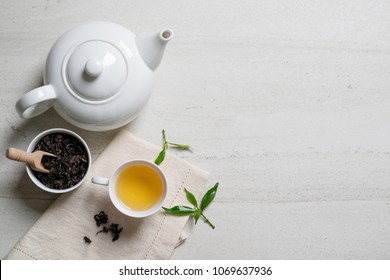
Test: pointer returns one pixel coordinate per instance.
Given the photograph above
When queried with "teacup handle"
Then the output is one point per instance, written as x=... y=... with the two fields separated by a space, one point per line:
x=35 y=102
x=100 y=181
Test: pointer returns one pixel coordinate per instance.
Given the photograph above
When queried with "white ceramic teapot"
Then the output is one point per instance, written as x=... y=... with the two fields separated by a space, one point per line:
x=98 y=76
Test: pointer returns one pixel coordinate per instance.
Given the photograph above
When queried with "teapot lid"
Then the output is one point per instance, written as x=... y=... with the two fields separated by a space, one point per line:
x=95 y=70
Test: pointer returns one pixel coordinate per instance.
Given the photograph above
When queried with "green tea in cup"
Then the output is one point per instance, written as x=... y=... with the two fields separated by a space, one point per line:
x=137 y=188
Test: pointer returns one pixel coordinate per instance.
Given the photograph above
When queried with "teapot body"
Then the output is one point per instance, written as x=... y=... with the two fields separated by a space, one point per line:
x=95 y=77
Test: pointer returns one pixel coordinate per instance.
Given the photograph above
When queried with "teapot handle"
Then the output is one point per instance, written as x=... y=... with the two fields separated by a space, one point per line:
x=35 y=102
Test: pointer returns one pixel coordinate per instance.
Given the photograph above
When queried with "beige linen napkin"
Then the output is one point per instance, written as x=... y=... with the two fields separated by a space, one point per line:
x=60 y=231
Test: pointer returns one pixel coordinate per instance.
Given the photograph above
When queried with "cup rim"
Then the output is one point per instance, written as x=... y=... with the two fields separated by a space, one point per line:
x=119 y=205
x=33 y=144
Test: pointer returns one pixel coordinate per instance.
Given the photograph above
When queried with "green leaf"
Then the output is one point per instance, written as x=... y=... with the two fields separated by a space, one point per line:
x=180 y=146
x=160 y=158
x=197 y=215
x=180 y=210
x=165 y=140
x=208 y=197
x=191 y=198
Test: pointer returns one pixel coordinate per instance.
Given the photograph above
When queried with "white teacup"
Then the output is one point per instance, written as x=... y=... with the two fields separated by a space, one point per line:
x=33 y=145
x=137 y=188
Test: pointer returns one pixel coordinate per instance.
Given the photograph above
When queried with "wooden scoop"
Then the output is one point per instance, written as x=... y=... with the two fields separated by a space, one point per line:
x=33 y=159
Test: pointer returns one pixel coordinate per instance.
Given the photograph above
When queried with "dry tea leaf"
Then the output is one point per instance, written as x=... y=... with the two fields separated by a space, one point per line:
x=70 y=164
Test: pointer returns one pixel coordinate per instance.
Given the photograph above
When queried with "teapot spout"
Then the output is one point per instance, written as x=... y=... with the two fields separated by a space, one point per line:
x=151 y=48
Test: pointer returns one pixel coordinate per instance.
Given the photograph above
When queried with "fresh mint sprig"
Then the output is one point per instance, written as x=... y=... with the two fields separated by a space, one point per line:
x=161 y=156
x=196 y=210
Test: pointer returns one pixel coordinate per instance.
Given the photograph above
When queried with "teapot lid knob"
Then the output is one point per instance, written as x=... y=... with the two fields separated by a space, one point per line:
x=95 y=71
x=93 y=67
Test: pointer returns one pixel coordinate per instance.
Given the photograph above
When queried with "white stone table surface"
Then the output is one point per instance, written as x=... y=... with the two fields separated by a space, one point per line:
x=286 y=103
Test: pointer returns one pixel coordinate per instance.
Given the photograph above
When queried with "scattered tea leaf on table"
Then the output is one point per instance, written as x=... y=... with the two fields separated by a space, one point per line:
x=87 y=240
